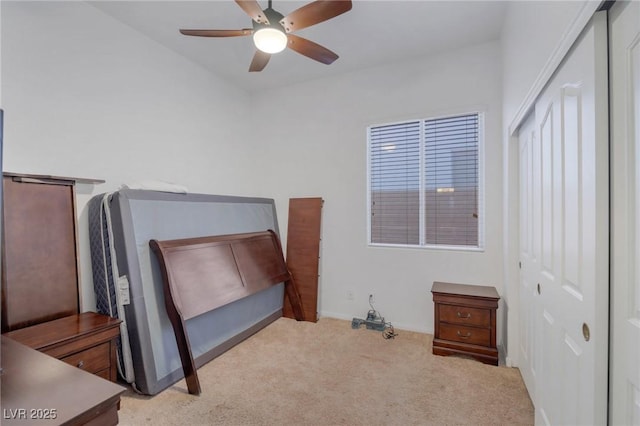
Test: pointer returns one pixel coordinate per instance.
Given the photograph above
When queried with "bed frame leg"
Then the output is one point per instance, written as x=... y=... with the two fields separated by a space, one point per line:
x=188 y=365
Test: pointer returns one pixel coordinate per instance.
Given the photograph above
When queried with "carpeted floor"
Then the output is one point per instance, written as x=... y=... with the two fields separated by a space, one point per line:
x=301 y=373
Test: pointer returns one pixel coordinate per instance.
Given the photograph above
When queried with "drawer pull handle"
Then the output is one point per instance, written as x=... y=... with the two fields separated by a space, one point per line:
x=80 y=364
x=465 y=316
x=464 y=336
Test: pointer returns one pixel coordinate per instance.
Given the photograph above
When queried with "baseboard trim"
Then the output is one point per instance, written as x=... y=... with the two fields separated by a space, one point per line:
x=396 y=325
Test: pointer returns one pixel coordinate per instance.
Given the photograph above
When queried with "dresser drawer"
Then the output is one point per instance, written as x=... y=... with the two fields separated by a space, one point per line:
x=92 y=360
x=460 y=333
x=87 y=339
x=463 y=315
x=105 y=374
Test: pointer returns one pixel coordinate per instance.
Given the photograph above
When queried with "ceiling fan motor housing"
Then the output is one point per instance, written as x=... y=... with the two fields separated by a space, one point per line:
x=274 y=18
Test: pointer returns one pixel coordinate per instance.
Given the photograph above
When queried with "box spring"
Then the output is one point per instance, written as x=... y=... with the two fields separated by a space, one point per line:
x=128 y=282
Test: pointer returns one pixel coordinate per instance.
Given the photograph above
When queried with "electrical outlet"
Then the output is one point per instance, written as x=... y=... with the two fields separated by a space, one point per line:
x=350 y=295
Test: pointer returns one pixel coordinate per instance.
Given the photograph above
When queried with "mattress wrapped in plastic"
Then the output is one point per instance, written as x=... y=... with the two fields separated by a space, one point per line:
x=128 y=282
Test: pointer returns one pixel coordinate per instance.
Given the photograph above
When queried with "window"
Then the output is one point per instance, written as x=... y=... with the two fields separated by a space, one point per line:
x=425 y=182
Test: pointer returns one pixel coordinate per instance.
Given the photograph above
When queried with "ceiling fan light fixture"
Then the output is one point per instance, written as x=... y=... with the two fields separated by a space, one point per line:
x=270 y=40
x=272 y=31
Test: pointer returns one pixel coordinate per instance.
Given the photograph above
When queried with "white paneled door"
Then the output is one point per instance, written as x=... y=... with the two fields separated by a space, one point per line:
x=528 y=302
x=564 y=239
x=625 y=213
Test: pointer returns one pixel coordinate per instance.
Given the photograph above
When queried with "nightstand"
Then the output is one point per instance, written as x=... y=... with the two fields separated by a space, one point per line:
x=86 y=341
x=465 y=321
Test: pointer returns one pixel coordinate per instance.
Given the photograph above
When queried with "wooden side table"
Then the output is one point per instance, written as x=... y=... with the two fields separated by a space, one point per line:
x=86 y=341
x=465 y=321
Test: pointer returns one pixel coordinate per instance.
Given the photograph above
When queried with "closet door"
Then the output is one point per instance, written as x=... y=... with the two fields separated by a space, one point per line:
x=625 y=201
x=529 y=254
x=565 y=279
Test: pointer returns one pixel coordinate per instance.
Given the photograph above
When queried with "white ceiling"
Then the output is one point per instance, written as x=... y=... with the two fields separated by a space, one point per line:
x=370 y=34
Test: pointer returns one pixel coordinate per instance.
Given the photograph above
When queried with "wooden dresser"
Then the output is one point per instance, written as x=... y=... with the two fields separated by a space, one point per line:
x=41 y=275
x=465 y=321
x=40 y=312
x=86 y=341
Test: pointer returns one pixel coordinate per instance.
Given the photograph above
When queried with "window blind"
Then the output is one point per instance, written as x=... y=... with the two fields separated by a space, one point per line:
x=451 y=181
x=424 y=186
x=395 y=183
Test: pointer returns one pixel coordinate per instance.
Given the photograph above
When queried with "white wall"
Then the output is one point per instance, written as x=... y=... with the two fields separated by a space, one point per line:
x=314 y=144
x=532 y=32
x=86 y=96
x=535 y=37
x=79 y=89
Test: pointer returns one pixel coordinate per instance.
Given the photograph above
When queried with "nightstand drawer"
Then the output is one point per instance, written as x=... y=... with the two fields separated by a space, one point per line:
x=87 y=339
x=460 y=333
x=92 y=360
x=464 y=315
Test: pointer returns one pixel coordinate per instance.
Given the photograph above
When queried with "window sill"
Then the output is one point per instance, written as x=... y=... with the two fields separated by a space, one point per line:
x=428 y=247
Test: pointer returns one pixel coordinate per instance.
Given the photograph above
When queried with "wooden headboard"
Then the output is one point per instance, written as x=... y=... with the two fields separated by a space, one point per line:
x=205 y=273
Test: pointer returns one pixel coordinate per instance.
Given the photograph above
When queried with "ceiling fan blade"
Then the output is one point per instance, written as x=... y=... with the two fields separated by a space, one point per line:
x=311 y=50
x=314 y=13
x=218 y=33
x=253 y=9
x=260 y=60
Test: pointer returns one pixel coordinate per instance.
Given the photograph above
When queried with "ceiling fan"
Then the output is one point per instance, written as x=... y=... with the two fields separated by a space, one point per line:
x=272 y=31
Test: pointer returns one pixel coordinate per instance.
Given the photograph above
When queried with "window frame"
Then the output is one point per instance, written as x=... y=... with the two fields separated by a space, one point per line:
x=422 y=172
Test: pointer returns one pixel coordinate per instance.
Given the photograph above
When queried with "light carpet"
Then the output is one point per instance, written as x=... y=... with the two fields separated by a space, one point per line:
x=326 y=373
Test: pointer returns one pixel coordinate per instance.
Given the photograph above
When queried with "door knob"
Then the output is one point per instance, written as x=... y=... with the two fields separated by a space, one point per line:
x=586 y=333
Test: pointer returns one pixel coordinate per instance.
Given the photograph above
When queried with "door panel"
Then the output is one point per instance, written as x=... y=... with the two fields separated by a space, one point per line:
x=571 y=188
x=565 y=189
x=625 y=192
x=528 y=264
x=546 y=173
